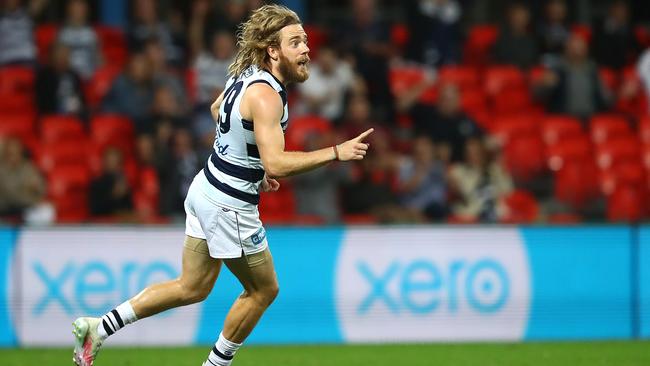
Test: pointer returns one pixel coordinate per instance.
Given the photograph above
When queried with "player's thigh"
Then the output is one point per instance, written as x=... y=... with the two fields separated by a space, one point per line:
x=255 y=272
x=199 y=269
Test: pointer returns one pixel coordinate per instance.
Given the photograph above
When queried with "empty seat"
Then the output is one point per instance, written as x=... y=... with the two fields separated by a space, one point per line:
x=63 y=153
x=19 y=125
x=509 y=101
x=500 y=78
x=100 y=83
x=606 y=127
x=480 y=39
x=301 y=127
x=576 y=183
x=58 y=128
x=44 y=36
x=524 y=157
x=466 y=77
x=626 y=204
x=113 y=130
x=506 y=128
x=558 y=128
x=68 y=190
x=577 y=149
x=610 y=153
x=522 y=208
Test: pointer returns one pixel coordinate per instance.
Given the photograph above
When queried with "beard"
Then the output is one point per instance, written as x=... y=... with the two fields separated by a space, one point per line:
x=291 y=72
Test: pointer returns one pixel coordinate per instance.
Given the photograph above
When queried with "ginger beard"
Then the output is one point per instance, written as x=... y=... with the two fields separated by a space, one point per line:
x=294 y=72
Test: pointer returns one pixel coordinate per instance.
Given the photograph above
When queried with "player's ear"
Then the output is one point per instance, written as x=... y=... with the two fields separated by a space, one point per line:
x=273 y=53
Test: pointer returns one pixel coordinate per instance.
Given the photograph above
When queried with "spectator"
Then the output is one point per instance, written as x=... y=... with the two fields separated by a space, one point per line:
x=371 y=189
x=110 y=192
x=366 y=38
x=162 y=75
x=206 y=19
x=21 y=187
x=421 y=182
x=212 y=67
x=434 y=26
x=480 y=184
x=132 y=92
x=147 y=25
x=317 y=191
x=614 y=41
x=58 y=87
x=165 y=109
x=357 y=118
x=85 y=55
x=516 y=45
x=185 y=164
x=573 y=85
x=329 y=81
x=554 y=29
x=446 y=123
x=16 y=32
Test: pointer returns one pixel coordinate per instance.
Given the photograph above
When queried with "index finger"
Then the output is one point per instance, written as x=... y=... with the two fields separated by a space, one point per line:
x=365 y=134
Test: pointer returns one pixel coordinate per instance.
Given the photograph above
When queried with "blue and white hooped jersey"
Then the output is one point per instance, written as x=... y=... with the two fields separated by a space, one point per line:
x=234 y=167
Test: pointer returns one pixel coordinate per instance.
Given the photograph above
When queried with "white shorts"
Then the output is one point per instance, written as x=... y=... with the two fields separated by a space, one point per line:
x=229 y=233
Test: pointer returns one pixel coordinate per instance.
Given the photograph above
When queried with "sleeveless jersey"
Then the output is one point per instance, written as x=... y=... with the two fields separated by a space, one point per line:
x=234 y=168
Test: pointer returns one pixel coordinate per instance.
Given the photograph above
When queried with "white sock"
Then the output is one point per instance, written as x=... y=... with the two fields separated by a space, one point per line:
x=116 y=319
x=222 y=352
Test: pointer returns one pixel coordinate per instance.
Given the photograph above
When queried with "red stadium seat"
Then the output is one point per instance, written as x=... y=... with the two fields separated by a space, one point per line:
x=278 y=207
x=465 y=77
x=500 y=78
x=611 y=153
x=146 y=197
x=626 y=204
x=480 y=40
x=317 y=37
x=583 y=31
x=402 y=78
x=576 y=183
x=609 y=78
x=524 y=157
x=399 y=35
x=16 y=79
x=57 y=128
x=45 y=35
x=559 y=128
x=506 y=128
x=113 y=130
x=509 y=101
x=644 y=130
x=607 y=127
x=301 y=127
x=577 y=149
x=19 y=125
x=100 y=83
x=68 y=190
x=522 y=208
x=63 y=153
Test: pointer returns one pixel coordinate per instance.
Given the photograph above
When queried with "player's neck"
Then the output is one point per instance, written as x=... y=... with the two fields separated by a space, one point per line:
x=276 y=74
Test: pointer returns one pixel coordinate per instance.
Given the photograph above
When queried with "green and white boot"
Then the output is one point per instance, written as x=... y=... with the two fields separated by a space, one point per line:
x=87 y=341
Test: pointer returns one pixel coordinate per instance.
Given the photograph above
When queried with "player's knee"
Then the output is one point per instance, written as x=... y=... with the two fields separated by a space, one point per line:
x=194 y=294
x=266 y=295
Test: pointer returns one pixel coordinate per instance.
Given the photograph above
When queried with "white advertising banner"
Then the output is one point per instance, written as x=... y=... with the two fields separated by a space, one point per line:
x=65 y=274
x=423 y=284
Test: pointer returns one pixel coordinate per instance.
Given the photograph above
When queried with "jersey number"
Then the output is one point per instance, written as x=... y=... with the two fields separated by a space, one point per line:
x=228 y=101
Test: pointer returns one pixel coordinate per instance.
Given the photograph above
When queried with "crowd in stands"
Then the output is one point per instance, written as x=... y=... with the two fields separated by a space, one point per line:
x=535 y=118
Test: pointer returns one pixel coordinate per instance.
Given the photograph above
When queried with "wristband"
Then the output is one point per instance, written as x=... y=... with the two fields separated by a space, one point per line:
x=336 y=152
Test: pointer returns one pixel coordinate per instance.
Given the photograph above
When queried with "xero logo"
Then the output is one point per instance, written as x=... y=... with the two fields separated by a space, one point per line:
x=423 y=286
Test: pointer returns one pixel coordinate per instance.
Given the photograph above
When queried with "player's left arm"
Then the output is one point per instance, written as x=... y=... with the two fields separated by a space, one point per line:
x=214 y=108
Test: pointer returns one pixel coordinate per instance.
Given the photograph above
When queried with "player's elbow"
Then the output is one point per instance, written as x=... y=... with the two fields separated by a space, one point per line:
x=273 y=168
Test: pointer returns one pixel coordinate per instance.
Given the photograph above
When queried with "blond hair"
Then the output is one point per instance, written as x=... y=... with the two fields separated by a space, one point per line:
x=259 y=32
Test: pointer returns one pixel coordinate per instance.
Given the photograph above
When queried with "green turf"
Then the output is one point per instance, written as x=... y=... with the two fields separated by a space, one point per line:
x=528 y=354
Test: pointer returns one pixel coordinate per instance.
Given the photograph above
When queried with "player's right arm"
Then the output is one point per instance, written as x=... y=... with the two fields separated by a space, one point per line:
x=265 y=107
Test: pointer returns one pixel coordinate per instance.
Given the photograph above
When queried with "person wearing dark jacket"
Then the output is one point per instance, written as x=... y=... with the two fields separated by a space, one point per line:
x=58 y=87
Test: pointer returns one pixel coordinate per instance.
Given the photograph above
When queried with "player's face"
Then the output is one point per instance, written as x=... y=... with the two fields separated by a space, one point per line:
x=294 y=54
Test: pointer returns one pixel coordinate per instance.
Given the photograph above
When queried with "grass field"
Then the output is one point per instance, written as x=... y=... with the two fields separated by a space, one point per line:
x=528 y=354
